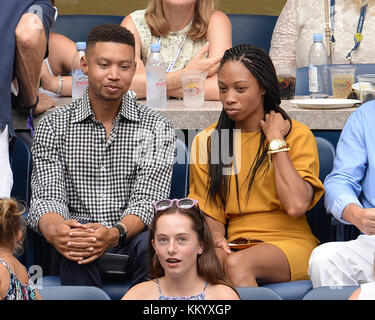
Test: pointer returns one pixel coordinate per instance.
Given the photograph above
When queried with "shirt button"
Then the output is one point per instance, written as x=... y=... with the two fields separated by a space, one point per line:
x=103 y=169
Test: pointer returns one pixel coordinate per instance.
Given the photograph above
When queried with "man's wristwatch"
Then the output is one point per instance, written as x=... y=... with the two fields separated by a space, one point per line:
x=277 y=144
x=123 y=231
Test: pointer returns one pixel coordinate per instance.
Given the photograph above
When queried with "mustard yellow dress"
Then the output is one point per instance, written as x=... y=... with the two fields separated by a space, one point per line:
x=262 y=216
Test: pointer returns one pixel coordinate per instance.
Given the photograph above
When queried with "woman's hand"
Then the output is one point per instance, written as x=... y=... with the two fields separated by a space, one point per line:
x=222 y=244
x=199 y=62
x=45 y=103
x=274 y=126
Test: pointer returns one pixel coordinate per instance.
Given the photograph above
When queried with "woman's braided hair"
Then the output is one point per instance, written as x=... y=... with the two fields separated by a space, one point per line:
x=260 y=65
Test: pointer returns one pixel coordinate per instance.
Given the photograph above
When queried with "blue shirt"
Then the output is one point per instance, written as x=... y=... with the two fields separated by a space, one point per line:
x=352 y=179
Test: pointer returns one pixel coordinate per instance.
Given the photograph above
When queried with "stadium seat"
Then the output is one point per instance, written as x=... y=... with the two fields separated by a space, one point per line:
x=21 y=162
x=330 y=293
x=73 y=293
x=77 y=26
x=257 y=293
x=180 y=174
x=252 y=29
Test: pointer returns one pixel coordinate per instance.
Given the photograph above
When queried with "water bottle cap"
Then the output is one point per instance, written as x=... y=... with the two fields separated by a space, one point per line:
x=155 y=47
x=318 y=37
x=81 y=45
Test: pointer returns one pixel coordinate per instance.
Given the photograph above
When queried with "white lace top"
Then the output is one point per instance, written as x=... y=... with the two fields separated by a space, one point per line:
x=169 y=44
x=299 y=19
x=367 y=291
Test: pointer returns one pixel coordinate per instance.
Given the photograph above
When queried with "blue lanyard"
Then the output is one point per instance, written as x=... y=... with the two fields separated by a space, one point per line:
x=332 y=17
x=173 y=61
x=358 y=34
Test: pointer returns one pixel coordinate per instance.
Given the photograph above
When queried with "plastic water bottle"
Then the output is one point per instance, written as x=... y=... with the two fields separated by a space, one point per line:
x=156 y=78
x=79 y=79
x=318 y=68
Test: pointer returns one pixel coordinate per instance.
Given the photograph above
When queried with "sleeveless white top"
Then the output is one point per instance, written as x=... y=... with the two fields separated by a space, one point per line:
x=169 y=44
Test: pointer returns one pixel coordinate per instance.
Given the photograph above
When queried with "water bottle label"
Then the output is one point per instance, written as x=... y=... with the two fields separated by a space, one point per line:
x=161 y=83
x=313 y=78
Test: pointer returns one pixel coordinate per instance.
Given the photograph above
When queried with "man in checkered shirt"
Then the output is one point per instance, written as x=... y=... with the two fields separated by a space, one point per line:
x=99 y=164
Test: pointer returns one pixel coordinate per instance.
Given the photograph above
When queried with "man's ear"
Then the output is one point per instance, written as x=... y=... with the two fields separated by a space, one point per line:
x=84 y=64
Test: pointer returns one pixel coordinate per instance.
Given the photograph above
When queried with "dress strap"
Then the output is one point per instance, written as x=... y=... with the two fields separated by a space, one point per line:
x=157 y=281
x=204 y=288
x=5 y=265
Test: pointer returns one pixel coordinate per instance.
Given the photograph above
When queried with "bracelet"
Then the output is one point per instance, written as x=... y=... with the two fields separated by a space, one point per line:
x=60 y=85
x=175 y=83
x=275 y=151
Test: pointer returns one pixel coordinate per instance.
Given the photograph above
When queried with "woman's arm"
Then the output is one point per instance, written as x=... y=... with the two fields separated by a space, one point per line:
x=61 y=52
x=285 y=36
x=217 y=230
x=294 y=193
x=139 y=81
x=219 y=36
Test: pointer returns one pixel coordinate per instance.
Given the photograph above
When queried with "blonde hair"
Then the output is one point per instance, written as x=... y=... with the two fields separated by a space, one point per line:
x=11 y=223
x=159 y=25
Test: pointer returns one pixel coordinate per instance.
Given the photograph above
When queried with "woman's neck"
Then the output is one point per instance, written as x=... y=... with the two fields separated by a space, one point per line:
x=252 y=123
x=5 y=252
x=188 y=285
x=178 y=16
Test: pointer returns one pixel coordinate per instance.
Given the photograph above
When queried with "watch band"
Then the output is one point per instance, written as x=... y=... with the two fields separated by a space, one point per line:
x=280 y=144
x=123 y=232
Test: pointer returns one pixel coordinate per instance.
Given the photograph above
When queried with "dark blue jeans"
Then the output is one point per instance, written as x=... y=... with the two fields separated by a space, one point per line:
x=71 y=273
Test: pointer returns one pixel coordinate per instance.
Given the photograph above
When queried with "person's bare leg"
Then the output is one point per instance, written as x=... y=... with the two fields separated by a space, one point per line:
x=31 y=47
x=264 y=262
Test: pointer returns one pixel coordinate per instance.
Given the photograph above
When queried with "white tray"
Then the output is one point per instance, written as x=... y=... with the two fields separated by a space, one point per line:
x=325 y=103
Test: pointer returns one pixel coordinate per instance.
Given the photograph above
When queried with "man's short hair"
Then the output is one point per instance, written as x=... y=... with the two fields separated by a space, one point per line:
x=110 y=32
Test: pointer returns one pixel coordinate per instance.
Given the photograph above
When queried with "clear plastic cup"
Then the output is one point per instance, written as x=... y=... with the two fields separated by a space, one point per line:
x=193 y=85
x=366 y=87
x=342 y=77
x=287 y=82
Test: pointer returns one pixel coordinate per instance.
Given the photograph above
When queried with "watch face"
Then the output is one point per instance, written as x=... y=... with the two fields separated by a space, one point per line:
x=274 y=145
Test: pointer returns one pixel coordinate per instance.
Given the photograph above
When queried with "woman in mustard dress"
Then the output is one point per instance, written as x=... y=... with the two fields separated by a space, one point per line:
x=255 y=174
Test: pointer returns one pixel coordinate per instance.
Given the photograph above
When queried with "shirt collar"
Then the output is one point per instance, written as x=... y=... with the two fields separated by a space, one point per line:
x=128 y=108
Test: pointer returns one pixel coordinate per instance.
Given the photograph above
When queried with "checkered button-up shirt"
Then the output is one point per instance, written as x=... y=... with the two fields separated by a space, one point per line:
x=80 y=174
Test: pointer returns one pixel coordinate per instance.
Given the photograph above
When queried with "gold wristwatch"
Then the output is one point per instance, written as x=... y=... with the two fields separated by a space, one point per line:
x=277 y=144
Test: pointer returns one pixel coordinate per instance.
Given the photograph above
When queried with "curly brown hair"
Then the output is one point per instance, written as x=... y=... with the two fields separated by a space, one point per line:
x=11 y=222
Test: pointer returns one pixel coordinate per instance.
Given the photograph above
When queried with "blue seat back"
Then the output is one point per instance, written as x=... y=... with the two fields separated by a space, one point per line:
x=20 y=161
x=319 y=220
x=252 y=29
x=180 y=175
x=330 y=293
x=302 y=77
x=77 y=26
x=257 y=293
x=73 y=293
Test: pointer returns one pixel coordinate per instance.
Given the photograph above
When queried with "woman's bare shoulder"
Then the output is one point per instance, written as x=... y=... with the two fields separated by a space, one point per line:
x=218 y=15
x=142 y=291
x=221 y=292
